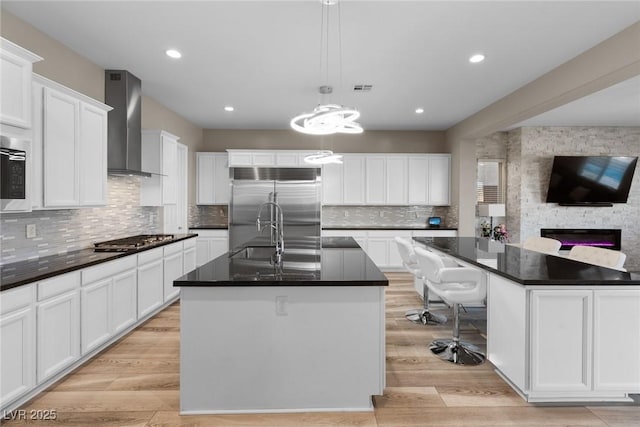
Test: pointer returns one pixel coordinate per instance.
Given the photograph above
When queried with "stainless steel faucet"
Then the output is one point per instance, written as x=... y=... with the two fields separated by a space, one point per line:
x=275 y=224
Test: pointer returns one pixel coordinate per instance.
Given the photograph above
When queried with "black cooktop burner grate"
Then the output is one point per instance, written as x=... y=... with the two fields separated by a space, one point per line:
x=131 y=243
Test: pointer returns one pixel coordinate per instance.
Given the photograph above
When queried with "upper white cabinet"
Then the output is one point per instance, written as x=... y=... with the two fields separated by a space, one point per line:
x=269 y=158
x=388 y=179
x=16 y=65
x=69 y=147
x=212 y=178
x=159 y=156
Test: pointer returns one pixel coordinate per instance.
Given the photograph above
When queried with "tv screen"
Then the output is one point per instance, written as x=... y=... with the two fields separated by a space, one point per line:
x=591 y=179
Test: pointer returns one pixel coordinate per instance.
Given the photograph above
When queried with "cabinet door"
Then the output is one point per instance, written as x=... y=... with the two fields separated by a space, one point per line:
x=439 y=180
x=150 y=287
x=17 y=352
x=93 y=156
x=378 y=250
x=561 y=319
x=95 y=312
x=189 y=260
x=205 y=180
x=221 y=183
x=202 y=251
x=37 y=147
x=169 y=170
x=123 y=297
x=375 y=180
x=15 y=102
x=58 y=334
x=418 y=180
x=218 y=246
x=616 y=327
x=396 y=174
x=332 y=188
x=353 y=174
x=172 y=270
x=61 y=160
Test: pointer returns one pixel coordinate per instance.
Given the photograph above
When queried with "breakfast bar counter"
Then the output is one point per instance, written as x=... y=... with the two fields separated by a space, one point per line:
x=558 y=330
x=306 y=334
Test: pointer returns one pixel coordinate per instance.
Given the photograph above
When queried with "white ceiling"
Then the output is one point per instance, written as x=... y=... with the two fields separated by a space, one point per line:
x=263 y=57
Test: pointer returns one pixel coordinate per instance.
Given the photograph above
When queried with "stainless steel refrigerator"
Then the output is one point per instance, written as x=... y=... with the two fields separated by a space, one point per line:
x=296 y=190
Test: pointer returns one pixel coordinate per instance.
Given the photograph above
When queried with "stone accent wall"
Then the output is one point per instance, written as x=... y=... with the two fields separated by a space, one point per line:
x=530 y=157
x=66 y=230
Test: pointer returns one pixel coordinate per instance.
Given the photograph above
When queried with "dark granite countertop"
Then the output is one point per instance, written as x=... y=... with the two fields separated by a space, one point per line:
x=328 y=261
x=209 y=227
x=385 y=227
x=528 y=267
x=24 y=272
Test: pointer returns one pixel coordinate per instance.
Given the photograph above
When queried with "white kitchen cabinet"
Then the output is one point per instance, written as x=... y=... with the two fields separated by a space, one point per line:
x=379 y=245
x=210 y=244
x=439 y=180
x=375 y=180
x=93 y=155
x=418 y=180
x=16 y=64
x=58 y=324
x=378 y=250
x=396 y=174
x=173 y=267
x=269 y=158
x=17 y=342
x=616 y=325
x=332 y=188
x=107 y=301
x=69 y=147
x=212 y=178
x=159 y=157
x=150 y=281
x=189 y=256
x=353 y=179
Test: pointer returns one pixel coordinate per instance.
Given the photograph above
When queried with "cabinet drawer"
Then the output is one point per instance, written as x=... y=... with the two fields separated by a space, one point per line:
x=173 y=248
x=189 y=243
x=150 y=255
x=58 y=285
x=111 y=268
x=17 y=298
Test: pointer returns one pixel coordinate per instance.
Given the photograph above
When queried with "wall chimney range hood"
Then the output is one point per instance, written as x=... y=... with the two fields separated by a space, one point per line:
x=123 y=92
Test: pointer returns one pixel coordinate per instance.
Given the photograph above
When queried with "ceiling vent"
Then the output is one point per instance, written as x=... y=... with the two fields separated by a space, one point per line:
x=362 y=88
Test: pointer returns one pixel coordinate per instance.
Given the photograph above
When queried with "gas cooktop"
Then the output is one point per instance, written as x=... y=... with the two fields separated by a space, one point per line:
x=131 y=243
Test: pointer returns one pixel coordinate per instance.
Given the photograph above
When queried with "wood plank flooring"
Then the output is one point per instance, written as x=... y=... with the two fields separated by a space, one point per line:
x=136 y=382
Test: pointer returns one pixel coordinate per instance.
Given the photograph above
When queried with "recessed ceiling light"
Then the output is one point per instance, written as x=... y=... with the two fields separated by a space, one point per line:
x=229 y=108
x=478 y=57
x=172 y=53
x=419 y=110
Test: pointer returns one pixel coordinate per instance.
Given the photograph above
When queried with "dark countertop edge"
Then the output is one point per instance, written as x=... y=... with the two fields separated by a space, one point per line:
x=368 y=227
x=209 y=227
x=526 y=282
x=268 y=283
x=49 y=274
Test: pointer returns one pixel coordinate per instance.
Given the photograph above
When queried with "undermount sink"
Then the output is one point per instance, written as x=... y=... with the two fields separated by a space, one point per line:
x=268 y=252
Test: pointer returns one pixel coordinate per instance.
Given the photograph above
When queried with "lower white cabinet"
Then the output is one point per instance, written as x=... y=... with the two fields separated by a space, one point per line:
x=172 y=269
x=150 y=281
x=189 y=256
x=58 y=324
x=107 y=300
x=17 y=342
x=210 y=244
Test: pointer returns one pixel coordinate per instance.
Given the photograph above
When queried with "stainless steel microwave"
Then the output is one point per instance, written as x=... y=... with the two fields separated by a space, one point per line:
x=15 y=174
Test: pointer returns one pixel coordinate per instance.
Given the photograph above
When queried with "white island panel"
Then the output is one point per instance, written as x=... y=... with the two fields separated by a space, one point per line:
x=251 y=349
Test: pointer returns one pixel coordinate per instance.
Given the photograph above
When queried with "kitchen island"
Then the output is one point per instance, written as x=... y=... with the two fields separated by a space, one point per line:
x=305 y=335
x=558 y=330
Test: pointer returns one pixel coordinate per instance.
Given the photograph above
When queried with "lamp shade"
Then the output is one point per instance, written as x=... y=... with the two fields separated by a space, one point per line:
x=492 y=209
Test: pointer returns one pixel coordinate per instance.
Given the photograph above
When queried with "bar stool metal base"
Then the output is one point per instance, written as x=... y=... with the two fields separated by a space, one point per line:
x=424 y=316
x=460 y=353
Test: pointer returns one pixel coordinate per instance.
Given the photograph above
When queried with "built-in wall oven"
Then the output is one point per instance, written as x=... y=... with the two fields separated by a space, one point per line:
x=15 y=174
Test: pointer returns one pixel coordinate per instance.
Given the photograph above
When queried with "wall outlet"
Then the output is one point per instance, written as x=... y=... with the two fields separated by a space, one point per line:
x=346 y=214
x=31 y=231
x=381 y=213
x=281 y=305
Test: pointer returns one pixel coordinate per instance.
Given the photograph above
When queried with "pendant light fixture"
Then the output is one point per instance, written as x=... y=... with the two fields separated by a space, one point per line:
x=328 y=119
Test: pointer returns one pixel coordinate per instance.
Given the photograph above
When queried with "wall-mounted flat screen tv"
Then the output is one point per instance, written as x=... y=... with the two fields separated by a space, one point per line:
x=591 y=179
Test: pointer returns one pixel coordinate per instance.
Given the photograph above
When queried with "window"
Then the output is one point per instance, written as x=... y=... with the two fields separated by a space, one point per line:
x=490 y=183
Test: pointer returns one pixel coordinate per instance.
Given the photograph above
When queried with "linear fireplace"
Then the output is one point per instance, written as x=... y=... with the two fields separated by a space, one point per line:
x=570 y=237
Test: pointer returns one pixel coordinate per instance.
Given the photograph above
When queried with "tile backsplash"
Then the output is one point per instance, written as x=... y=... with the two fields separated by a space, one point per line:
x=359 y=216
x=64 y=230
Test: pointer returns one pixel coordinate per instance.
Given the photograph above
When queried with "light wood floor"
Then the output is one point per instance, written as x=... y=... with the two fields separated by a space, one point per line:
x=135 y=382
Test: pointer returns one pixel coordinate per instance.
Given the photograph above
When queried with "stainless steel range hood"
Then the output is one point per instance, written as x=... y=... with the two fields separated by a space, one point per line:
x=123 y=92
